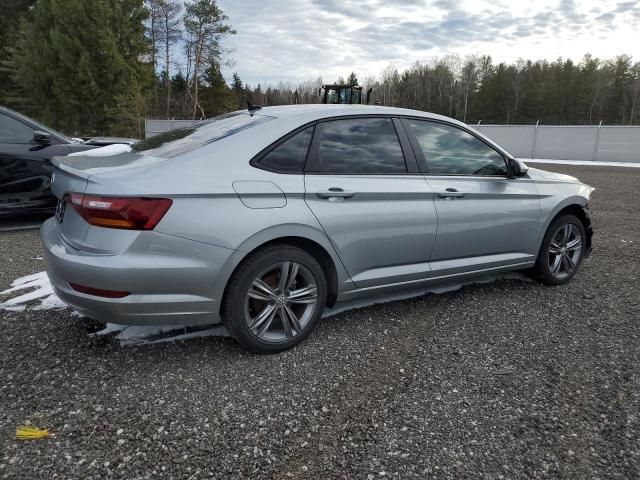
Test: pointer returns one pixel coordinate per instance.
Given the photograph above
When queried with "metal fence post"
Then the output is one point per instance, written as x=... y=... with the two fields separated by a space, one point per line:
x=595 y=148
x=535 y=138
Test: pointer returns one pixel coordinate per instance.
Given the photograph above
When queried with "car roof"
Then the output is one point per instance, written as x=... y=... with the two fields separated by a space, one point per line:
x=318 y=111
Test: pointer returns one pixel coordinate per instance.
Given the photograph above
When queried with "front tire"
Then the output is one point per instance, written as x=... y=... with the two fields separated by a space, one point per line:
x=275 y=298
x=561 y=252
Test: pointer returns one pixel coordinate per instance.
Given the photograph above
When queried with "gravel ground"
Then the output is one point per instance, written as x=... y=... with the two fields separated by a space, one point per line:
x=504 y=380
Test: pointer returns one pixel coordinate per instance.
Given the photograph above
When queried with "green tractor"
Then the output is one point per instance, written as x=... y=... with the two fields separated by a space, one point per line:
x=342 y=94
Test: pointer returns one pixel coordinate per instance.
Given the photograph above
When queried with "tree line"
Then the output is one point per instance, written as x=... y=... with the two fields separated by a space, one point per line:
x=475 y=89
x=91 y=67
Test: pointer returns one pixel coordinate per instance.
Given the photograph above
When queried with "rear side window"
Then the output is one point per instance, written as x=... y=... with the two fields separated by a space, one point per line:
x=452 y=151
x=290 y=155
x=13 y=131
x=183 y=140
x=360 y=146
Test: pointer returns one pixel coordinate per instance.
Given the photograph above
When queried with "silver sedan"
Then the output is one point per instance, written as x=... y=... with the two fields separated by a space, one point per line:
x=260 y=219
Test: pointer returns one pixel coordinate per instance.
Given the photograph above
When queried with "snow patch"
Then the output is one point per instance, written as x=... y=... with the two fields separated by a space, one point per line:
x=39 y=288
x=105 y=151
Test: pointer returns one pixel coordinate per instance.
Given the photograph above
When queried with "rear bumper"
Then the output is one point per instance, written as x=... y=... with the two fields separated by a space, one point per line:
x=173 y=281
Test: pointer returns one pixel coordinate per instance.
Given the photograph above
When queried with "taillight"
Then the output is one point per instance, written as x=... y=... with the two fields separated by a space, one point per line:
x=130 y=213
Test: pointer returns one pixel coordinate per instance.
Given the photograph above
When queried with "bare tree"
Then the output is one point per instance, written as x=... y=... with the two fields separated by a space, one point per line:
x=169 y=32
x=469 y=81
x=205 y=25
x=152 y=31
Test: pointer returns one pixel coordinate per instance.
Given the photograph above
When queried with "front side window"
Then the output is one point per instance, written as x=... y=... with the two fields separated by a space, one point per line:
x=290 y=155
x=361 y=146
x=452 y=151
x=13 y=131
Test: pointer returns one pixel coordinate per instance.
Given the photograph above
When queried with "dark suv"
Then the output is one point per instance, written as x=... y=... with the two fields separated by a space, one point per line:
x=26 y=149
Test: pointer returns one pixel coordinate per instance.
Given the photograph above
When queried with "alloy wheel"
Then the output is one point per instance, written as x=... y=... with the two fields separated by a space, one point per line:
x=280 y=302
x=565 y=250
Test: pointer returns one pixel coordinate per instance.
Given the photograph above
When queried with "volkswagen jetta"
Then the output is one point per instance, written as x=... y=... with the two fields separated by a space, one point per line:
x=262 y=218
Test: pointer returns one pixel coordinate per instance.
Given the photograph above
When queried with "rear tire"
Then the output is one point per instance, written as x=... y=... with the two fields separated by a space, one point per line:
x=275 y=298
x=561 y=252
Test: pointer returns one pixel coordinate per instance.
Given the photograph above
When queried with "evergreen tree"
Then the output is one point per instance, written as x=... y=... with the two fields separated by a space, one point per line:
x=238 y=90
x=12 y=12
x=352 y=79
x=216 y=97
x=78 y=64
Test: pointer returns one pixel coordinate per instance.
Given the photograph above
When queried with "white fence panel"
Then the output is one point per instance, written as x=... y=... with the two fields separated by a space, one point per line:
x=566 y=143
x=619 y=144
x=515 y=139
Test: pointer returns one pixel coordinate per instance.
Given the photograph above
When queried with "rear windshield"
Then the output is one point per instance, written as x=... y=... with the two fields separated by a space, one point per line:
x=182 y=140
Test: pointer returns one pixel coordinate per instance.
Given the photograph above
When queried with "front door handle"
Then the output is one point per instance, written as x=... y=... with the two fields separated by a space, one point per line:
x=451 y=193
x=335 y=192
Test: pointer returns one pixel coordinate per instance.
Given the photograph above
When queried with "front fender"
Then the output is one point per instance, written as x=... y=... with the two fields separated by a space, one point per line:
x=550 y=210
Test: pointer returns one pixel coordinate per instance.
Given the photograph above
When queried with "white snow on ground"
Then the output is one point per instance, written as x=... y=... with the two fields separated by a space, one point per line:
x=37 y=287
x=103 y=151
x=34 y=292
x=583 y=162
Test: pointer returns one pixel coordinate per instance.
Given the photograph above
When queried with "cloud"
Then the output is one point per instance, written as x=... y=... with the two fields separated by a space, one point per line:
x=298 y=40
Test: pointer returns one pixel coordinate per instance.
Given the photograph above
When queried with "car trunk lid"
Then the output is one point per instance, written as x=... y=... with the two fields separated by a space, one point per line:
x=74 y=174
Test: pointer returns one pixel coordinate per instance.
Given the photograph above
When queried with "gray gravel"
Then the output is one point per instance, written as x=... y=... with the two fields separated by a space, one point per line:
x=504 y=380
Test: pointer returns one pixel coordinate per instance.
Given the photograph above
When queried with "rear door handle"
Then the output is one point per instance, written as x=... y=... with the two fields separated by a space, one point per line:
x=335 y=192
x=451 y=193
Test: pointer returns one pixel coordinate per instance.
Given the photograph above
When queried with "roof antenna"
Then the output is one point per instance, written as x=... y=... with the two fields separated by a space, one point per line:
x=253 y=108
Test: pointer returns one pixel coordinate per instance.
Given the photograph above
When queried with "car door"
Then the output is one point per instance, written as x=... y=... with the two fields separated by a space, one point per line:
x=485 y=219
x=25 y=168
x=363 y=185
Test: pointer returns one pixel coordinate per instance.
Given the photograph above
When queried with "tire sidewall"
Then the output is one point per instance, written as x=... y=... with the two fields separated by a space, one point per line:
x=244 y=277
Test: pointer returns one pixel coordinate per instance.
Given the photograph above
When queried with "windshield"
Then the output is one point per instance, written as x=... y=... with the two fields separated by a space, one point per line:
x=182 y=140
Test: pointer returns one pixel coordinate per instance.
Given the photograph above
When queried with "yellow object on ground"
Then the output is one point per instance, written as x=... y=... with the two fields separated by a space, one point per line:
x=29 y=432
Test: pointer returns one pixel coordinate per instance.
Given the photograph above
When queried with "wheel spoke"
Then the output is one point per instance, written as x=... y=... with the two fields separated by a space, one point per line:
x=570 y=261
x=260 y=296
x=304 y=295
x=284 y=276
x=555 y=266
x=262 y=322
x=295 y=323
x=566 y=263
x=554 y=247
x=284 y=319
x=263 y=287
x=575 y=244
x=292 y=276
x=566 y=233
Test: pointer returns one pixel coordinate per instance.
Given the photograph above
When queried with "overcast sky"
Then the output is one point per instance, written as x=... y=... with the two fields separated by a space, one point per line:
x=302 y=39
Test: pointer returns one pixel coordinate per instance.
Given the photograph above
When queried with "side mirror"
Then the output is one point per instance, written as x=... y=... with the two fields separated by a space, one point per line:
x=41 y=138
x=516 y=168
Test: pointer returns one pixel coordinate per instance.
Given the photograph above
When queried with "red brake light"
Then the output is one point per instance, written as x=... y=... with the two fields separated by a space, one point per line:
x=131 y=213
